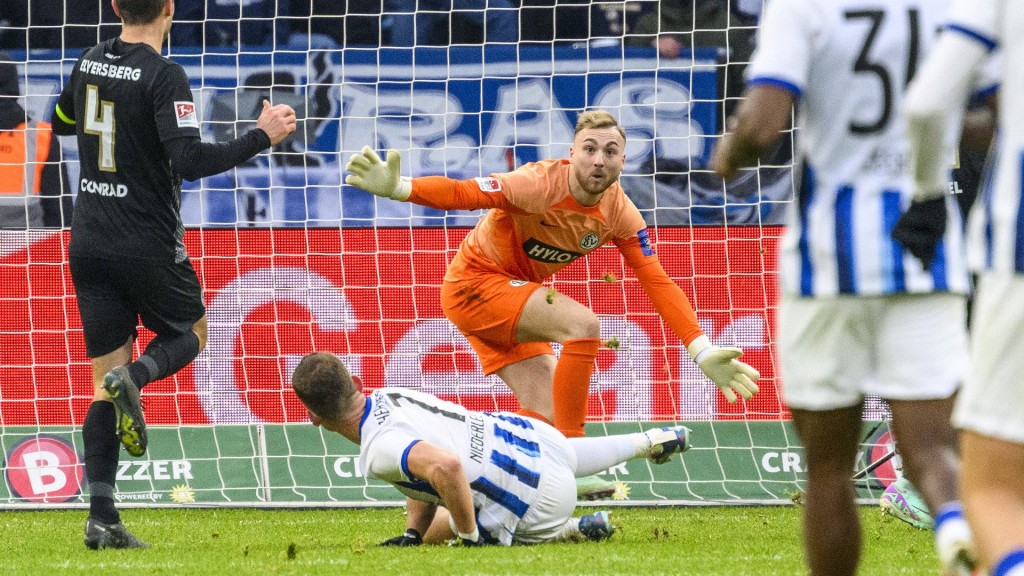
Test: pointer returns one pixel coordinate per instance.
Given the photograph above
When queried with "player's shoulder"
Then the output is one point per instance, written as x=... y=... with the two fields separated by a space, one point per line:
x=542 y=168
x=536 y=185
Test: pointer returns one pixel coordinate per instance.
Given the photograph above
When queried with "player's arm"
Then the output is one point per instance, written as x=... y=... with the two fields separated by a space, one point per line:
x=941 y=88
x=765 y=111
x=194 y=159
x=62 y=121
x=383 y=178
x=719 y=364
x=419 y=516
x=443 y=470
x=776 y=74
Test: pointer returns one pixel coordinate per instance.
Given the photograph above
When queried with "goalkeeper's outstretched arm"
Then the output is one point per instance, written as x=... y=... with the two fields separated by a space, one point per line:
x=368 y=172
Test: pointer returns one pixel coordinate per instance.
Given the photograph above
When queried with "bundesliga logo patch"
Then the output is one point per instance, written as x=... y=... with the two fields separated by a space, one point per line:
x=186 y=113
x=488 y=184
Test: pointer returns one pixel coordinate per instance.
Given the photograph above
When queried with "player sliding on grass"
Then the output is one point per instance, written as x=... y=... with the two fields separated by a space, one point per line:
x=138 y=137
x=484 y=478
x=541 y=217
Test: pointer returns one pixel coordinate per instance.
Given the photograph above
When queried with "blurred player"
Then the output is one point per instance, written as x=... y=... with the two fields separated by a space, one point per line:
x=859 y=315
x=542 y=217
x=138 y=136
x=487 y=478
x=990 y=409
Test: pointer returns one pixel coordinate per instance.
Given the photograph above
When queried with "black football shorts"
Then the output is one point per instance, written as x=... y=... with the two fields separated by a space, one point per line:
x=113 y=295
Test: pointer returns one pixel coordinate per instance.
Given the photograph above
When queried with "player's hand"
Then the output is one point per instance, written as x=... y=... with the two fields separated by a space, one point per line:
x=722 y=367
x=410 y=538
x=465 y=542
x=921 y=227
x=277 y=121
x=369 y=173
x=722 y=156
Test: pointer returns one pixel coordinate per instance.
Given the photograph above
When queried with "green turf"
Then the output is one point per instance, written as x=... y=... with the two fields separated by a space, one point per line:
x=706 y=541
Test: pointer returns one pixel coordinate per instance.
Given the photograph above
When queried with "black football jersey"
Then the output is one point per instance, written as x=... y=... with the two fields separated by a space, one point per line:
x=126 y=101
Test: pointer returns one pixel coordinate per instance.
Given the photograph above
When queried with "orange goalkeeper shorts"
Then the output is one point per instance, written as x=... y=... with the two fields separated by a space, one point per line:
x=486 y=309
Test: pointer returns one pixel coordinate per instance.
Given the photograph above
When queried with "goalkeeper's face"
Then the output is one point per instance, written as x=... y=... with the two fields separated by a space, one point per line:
x=597 y=156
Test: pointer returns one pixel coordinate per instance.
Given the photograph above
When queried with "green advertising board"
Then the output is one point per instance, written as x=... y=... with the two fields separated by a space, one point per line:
x=731 y=462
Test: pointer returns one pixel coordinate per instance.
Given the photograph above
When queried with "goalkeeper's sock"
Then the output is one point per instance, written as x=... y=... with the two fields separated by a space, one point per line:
x=1010 y=565
x=534 y=415
x=101 y=455
x=571 y=385
x=163 y=357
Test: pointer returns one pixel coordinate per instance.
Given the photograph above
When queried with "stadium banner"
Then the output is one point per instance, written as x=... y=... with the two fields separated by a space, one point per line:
x=372 y=296
x=462 y=112
x=292 y=464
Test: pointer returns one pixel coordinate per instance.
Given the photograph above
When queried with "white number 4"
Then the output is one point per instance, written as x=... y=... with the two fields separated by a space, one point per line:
x=99 y=121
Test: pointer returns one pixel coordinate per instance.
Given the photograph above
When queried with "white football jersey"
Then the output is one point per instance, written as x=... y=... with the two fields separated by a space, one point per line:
x=500 y=453
x=848 y=63
x=996 y=225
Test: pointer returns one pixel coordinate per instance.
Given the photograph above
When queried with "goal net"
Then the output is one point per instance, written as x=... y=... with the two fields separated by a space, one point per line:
x=292 y=260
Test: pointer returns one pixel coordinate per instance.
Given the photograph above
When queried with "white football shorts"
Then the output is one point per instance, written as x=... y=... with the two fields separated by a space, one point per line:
x=992 y=400
x=556 y=493
x=833 y=351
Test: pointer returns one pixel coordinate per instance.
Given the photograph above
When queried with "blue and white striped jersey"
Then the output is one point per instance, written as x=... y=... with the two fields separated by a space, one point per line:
x=996 y=225
x=848 y=63
x=500 y=453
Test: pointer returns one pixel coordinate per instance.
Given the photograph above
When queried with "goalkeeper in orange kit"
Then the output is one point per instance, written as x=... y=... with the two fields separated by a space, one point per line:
x=542 y=217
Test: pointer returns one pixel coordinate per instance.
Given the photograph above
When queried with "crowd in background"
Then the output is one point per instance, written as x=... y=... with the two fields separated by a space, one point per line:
x=297 y=24
x=670 y=26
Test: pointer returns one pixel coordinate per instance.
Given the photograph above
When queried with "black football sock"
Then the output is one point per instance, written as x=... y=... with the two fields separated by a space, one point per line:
x=101 y=454
x=163 y=357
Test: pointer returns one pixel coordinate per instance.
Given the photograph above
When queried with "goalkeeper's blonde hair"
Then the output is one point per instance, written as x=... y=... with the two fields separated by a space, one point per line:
x=598 y=119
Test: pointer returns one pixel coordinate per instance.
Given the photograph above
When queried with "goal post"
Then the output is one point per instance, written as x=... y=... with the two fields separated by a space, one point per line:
x=292 y=260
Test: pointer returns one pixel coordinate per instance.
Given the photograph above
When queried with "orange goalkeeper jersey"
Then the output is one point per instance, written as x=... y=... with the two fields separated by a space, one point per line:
x=535 y=227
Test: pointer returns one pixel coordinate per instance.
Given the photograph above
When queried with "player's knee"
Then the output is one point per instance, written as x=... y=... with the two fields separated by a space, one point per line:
x=587 y=326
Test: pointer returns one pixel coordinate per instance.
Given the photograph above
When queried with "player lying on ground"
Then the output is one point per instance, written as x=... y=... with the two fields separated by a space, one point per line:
x=485 y=478
x=541 y=218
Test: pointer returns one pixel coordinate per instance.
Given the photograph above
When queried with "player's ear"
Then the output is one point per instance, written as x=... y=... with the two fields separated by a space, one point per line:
x=117 y=11
x=313 y=418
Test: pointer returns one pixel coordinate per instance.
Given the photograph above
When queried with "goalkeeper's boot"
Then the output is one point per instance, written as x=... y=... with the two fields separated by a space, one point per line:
x=667 y=442
x=597 y=526
x=595 y=488
x=902 y=501
x=99 y=535
x=131 y=426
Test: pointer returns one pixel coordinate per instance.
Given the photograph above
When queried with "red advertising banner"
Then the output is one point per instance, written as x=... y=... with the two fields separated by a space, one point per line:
x=372 y=296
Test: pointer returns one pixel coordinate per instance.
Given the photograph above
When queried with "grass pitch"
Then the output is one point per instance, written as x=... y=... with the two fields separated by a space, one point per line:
x=650 y=541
